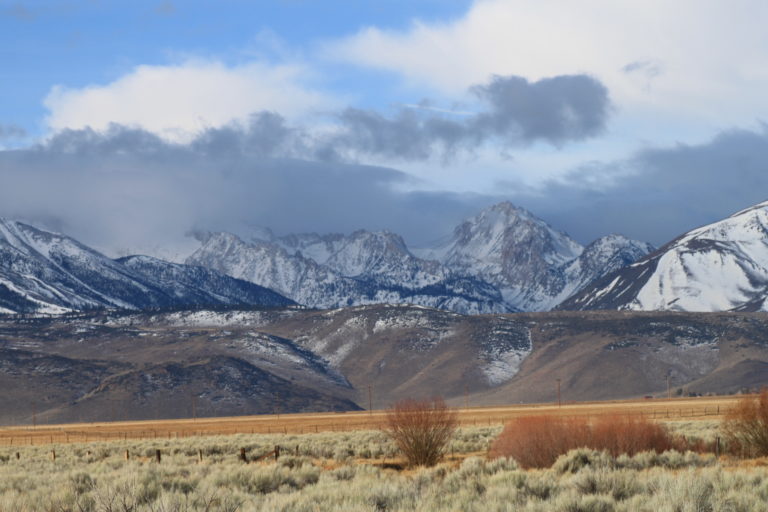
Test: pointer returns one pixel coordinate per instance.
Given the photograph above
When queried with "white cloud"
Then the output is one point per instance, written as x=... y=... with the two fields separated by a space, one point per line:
x=178 y=101
x=707 y=57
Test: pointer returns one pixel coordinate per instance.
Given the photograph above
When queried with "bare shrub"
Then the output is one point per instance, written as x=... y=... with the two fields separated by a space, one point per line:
x=421 y=429
x=537 y=441
x=745 y=427
x=629 y=435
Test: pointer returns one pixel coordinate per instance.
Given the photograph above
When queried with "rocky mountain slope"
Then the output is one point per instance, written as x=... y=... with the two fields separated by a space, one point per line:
x=212 y=363
x=363 y=268
x=718 y=267
x=46 y=272
x=535 y=266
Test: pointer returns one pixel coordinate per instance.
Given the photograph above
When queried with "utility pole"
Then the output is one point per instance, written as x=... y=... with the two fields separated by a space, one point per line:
x=669 y=389
x=559 y=402
x=370 y=401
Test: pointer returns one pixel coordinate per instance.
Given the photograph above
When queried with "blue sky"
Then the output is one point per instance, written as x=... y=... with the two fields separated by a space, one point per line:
x=79 y=43
x=156 y=118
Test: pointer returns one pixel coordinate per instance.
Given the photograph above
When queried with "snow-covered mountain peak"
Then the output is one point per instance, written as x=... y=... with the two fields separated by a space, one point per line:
x=717 y=267
x=607 y=246
x=495 y=231
x=746 y=226
x=25 y=237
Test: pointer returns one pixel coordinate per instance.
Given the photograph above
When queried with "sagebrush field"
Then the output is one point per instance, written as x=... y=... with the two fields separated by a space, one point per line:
x=362 y=471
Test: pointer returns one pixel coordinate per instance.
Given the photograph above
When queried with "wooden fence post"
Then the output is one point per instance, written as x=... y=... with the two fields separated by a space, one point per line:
x=717 y=447
x=53 y=455
x=199 y=455
x=277 y=451
x=127 y=455
x=157 y=454
x=242 y=455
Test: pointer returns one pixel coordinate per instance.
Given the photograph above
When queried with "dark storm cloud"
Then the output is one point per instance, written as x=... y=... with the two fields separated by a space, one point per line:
x=127 y=188
x=516 y=113
x=659 y=193
x=555 y=110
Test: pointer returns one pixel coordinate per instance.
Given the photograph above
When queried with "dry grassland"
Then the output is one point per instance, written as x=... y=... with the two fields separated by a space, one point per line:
x=676 y=409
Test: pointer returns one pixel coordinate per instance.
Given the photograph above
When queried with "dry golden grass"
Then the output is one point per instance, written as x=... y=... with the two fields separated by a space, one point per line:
x=689 y=409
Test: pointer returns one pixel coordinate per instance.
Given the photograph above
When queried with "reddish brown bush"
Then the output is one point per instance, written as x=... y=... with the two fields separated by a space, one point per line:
x=421 y=429
x=745 y=427
x=630 y=435
x=537 y=441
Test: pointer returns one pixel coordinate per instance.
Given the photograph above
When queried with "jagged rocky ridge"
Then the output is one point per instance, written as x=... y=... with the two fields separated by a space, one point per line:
x=363 y=268
x=718 y=267
x=502 y=260
x=50 y=273
x=535 y=266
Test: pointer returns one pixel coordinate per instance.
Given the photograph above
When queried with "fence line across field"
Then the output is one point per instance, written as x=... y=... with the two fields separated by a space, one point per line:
x=37 y=436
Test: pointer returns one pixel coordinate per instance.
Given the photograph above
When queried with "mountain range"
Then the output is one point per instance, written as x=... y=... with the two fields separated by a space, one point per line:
x=43 y=272
x=504 y=259
x=247 y=319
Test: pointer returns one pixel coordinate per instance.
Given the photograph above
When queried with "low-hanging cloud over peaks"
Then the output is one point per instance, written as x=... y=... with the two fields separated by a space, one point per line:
x=126 y=190
x=659 y=193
